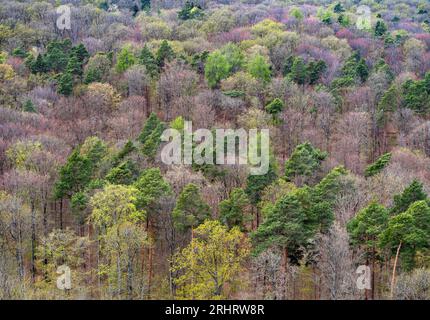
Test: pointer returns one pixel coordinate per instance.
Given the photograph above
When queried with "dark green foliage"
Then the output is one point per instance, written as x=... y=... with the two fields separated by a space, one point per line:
x=315 y=69
x=378 y=165
x=292 y=221
x=164 y=53
x=74 y=67
x=380 y=28
x=190 y=210
x=151 y=186
x=198 y=61
x=232 y=210
x=37 y=66
x=284 y=226
x=297 y=70
x=125 y=173
x=319 y=201
x=29 y=106
x=147 y=59
x=146 y=5
x=304 y=161
x=74 y=175
x=150 y=135
x=275 y=107
x=338 y=8
x=288 y=64
x=388 y=103
x=150 y=125
x=411 y=229
x=414 y=192
x=362 y=70
x=416 y=95
x=19 y=52
x=354 y=70
x=190 y=10
x=366 y=227
x=65 y=84
x=255 y=184
x=125 y=151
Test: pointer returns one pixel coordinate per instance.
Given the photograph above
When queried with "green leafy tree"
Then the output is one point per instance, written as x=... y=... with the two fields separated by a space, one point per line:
x=74 y=175
x=234 y=56
x=412 y=193
x=296 y=13
x=378 y=165
x=150 y=135
x=232 y=210
x=365 y=229
x=298 y=71
x=338 y=8
x=320 y=200
x=65 y=84
x=37 y=66
x=255 y=184
x=380 y=28
x=416 y=96
x=216 y=68
x=147 y=59
x=304 y=161
x=29 y=106
x=115 y=204
x=314 y=70
x=190 y=10
x=408 y=232
x=151 y=186
x=259 y=68
x=125 y=59
x=190 y=210
x=211 y=265
x=164 y=53
x=275 y=107
x=124 y=152
x=283 y=227
x=124 y=173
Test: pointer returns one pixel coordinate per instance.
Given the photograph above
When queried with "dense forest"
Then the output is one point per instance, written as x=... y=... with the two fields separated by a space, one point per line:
x=343 y=87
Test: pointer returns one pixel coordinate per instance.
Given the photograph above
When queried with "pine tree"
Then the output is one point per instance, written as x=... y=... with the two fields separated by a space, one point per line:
x=74 y=175
x=304 y=161
x=414 y=192
x=380 y=28
x=409 y=232
x=39 y=65
x=125 y=173
x=190 y=210
x=147 y=59
x=65 y=84
x=232 y=210
x=283 y=227
x=275 y=107
x=29 y=106
x=164 y=53
x=338 y=8
x=151 y=186
x=365 y=229
x=378 y=165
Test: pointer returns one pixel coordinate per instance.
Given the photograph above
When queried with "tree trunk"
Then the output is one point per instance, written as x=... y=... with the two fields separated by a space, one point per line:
x=33 y=242
x=394 y=270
